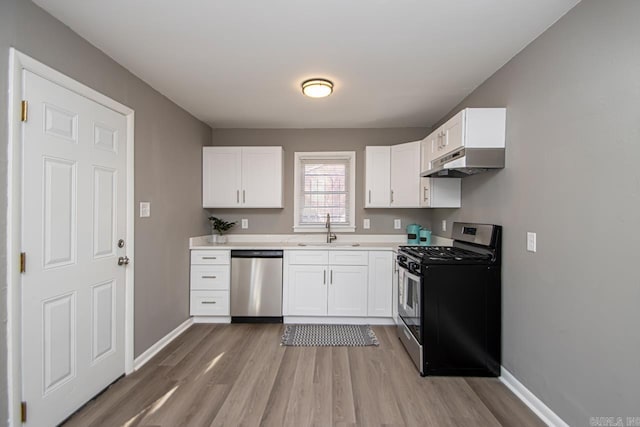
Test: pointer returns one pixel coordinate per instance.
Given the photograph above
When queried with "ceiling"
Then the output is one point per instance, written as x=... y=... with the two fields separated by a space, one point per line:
x=239 y=63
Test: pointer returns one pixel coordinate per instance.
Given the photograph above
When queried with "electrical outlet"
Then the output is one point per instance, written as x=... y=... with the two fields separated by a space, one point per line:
x=366 y=224
x=444 y=225
x=397 y=224
x=145 y=209
x=531 y=241
x=245 y=223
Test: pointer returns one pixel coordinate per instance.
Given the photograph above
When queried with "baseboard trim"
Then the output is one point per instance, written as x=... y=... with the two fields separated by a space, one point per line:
x=545 y=413
x=211 y=319
x=141 y=360
x=339 y=320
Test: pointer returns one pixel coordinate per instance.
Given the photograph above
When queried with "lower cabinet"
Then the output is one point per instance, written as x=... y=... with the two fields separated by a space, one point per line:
x=380 y=295
x=209 y=303
x=327 y=290
x=209 y=283
x=347 y=295
x=327 y=286
x=308 y=290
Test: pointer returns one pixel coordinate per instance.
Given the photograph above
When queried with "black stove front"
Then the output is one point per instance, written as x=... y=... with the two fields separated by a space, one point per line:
x=449 y=303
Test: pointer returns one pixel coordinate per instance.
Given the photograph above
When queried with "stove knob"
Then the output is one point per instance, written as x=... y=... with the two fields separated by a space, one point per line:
x=414 y=267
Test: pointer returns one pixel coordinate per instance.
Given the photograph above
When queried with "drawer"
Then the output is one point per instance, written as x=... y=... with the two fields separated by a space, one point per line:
x=210 y=277
x=209 y=303
x=209 y=257
x=348 y=257
x=309 y=257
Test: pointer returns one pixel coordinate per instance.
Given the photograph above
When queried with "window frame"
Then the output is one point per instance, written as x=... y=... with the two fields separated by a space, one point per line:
x=350 y=156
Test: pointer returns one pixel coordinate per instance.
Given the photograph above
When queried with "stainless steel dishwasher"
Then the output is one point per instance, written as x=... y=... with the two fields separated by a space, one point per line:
x=256 y=286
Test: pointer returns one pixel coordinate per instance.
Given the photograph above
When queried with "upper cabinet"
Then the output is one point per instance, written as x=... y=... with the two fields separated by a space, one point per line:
x=472 y=141
x=440 y=192
x=405 y=173
x=242 y=177
x=392 y=176
x=377 y=176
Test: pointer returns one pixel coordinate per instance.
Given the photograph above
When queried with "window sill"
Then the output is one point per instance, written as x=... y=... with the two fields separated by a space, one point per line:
x=323 y=229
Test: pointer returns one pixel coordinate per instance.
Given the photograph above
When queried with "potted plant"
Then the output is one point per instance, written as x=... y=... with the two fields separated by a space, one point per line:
x=219 y=226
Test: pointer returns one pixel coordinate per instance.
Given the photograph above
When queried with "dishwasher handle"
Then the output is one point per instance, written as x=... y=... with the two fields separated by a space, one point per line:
x=256 y=254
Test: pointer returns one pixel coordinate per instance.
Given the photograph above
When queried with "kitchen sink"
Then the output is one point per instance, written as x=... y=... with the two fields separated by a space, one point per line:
x=335 y=245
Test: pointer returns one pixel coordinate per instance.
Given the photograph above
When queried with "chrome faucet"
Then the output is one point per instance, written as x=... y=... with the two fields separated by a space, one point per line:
x=330 y=236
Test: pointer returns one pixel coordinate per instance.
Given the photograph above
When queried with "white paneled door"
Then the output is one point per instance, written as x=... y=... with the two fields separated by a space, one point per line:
x=74 y=213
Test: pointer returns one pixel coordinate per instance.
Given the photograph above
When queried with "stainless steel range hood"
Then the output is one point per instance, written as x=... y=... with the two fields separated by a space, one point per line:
x=466 y=161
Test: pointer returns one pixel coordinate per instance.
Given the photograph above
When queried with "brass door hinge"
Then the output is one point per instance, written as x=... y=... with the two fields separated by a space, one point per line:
x=24 y=111
x=23 y=412
x=23 y=262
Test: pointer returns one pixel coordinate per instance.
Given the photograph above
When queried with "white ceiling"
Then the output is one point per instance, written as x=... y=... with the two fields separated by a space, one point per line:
x=239 y=63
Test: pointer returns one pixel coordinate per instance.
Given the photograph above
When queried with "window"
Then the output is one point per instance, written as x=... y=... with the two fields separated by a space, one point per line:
x=324 y=184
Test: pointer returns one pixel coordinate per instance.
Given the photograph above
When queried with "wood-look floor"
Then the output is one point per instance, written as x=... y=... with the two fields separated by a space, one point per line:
x=215 y=375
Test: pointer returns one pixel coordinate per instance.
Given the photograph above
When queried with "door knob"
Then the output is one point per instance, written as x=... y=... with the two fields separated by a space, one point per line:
x=123 y=260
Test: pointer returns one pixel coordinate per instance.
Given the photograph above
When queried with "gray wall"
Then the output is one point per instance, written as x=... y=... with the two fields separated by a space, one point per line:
x=571 y=310
x=276 y=221
x=168 y=145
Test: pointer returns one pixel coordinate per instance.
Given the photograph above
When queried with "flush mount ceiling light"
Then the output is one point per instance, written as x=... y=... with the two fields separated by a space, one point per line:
x=317 y=88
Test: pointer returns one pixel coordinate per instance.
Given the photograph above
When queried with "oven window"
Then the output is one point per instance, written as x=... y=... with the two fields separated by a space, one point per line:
x=411 y=294
x=409 y=307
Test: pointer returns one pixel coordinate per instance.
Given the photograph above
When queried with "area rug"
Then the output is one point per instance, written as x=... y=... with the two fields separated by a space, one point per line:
x=328 y=335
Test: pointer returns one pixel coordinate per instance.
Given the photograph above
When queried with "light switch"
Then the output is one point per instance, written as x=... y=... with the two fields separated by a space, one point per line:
x=531 y=241
x=145 y=209
x=245 y=223
x=397 y=224
x=366 y=224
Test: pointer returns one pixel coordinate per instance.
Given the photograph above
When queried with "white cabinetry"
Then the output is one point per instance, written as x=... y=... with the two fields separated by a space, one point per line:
x=242 y=177
x=347 y=290
x=307 y=290
x=378 y=176
x=405 y=175
x=392 y=176
x=380 y=294
x=334 y=289
x=339 y=283
x=209 y=283
x=471 y=127
x=440 y=192
x=428 y=149
x=395 y=285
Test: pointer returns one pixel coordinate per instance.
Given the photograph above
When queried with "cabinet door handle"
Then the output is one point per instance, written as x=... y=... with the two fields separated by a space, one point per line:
x=209 y=277
x=426 y=190
x=331 y=279
x=369 y=196
x=391 y=196
x=238 y=196
x=324 y=281
x=208 y=302
x=244 y=198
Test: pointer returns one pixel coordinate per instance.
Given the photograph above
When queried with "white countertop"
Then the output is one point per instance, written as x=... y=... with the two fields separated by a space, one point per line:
x=308 y=242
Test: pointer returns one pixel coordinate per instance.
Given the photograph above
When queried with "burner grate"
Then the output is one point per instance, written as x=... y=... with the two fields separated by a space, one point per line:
x=444 y=253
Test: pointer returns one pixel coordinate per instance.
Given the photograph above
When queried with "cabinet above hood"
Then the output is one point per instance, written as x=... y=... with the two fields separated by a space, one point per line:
x=471 y=142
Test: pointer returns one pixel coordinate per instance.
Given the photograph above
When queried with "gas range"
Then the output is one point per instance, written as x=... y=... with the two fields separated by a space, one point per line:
x=473 y=244
x=444 y=254
x=449 y=299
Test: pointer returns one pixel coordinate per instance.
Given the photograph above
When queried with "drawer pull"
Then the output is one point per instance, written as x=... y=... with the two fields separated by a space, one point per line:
x=208 y=302
x=209 y=257
x=209 y=277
